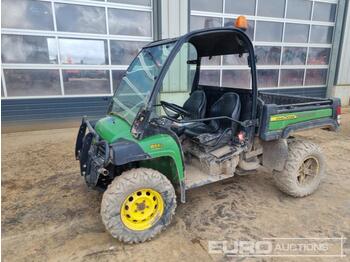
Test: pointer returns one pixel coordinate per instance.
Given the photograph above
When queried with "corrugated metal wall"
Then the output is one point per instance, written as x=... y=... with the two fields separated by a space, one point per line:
x=312 y=92
x=29 y=114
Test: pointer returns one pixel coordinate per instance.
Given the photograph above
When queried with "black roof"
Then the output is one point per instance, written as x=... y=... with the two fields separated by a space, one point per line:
x=214 y=41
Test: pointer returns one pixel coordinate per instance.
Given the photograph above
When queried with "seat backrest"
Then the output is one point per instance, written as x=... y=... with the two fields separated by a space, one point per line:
x=229 y=105
x=196 y=104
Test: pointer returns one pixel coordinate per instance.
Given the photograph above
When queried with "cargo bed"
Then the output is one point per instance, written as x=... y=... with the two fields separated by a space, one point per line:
x=284 y=114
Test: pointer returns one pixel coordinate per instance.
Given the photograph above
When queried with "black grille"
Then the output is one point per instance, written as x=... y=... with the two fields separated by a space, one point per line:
x=101 y=151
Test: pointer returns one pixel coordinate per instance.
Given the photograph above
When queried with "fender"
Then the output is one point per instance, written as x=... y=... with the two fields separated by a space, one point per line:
x=164 y=145
x=124 y=151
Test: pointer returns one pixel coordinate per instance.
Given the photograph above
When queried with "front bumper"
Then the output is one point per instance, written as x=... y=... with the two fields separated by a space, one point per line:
x=91 y=151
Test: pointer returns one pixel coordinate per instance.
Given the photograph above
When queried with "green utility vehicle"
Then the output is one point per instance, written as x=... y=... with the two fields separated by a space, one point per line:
x=155 y=141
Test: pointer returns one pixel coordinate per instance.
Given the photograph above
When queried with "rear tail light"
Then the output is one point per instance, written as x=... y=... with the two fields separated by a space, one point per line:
x=339 y=110
x=338 y=114
x=241 y=137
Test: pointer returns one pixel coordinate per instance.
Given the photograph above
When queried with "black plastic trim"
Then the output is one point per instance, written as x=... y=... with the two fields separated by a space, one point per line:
x=125 y=151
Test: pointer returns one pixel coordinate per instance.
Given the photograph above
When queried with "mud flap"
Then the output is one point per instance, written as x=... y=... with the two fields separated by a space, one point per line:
x=275 y=154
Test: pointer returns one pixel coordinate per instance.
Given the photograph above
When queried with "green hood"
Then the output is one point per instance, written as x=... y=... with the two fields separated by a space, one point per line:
x=110 y=128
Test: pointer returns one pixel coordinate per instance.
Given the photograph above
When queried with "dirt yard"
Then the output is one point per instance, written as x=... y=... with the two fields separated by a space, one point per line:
x=48 y=213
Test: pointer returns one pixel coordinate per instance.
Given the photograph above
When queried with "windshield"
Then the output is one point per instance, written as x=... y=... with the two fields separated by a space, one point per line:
x=138 y=82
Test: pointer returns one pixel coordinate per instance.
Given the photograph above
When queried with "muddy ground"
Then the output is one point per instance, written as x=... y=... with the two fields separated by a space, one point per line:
x=48 y=213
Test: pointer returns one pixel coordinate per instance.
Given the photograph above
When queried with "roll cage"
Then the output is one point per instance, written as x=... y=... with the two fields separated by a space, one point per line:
x=208 y=43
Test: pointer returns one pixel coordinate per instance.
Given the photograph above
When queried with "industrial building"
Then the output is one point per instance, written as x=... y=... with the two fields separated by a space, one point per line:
x=62 y=59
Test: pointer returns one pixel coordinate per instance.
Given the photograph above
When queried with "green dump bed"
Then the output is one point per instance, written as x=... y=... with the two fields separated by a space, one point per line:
x=281 y=115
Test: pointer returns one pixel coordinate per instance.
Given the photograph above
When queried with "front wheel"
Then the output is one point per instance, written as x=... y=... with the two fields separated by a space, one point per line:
x=137 y=205
x=303 y=171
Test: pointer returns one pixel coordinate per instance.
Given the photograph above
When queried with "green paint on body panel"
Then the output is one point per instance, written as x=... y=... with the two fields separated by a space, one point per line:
x=163 y=145
x=281 y=121
x=111 y=128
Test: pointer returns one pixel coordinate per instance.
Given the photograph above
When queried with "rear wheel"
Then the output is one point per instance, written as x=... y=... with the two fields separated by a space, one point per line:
x=138 y=205
x=303 y=171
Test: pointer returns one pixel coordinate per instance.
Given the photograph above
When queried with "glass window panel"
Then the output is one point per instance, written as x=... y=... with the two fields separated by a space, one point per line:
x=268 y=31
x=246 y=7
x=123 y=52
x=83 y=82
x=132 y=2
x=236 y=78
x=316 y=77
x=268 y=55
x=250 y=30
x=178 y=77
x=129 y=22
x=299 y=9
x=294 y=56
x=192 y=72
x=32 y=82
x=318 y=56
x=200 y=22
x=235 y=59
x=137 y=84
x=209 y=6
x=209 y=77
x=28 y=49
x=117 y=76
x=78 y=18
x=267 y=78
x=274 y=8
x=296 y=33
x=321 y=34
x=83 y=51
x=214 y=60
x=292 y=77
x=324 y=12
x=26 y=14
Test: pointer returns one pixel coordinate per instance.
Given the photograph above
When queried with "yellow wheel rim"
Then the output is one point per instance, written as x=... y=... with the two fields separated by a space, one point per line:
x=142 y=209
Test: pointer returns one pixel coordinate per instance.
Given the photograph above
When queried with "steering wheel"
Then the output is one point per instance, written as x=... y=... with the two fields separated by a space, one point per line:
x=174 y=108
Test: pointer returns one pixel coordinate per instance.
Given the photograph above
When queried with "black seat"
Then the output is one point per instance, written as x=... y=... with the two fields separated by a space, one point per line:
x=227 y=105
x=196 y=105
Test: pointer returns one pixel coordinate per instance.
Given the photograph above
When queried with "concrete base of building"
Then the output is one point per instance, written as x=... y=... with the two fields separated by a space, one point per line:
x=343 y=92
x=12 y=127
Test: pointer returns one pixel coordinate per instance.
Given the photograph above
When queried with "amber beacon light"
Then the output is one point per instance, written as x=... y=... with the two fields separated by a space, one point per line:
x=241 y=22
